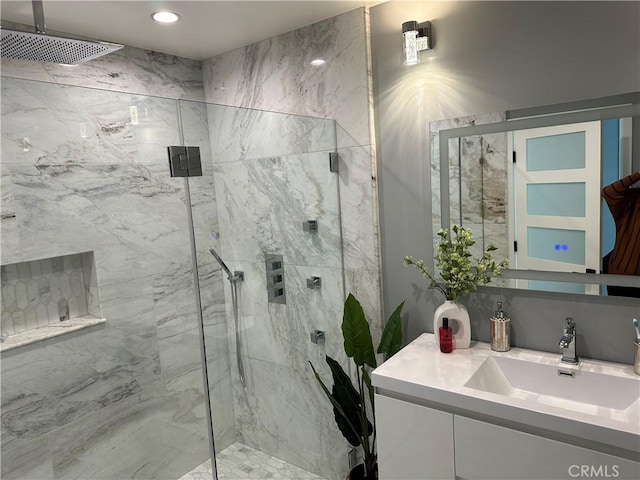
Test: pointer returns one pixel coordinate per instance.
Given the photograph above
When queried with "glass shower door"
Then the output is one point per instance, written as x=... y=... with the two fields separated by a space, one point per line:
x=94 y=235
x=268 y=205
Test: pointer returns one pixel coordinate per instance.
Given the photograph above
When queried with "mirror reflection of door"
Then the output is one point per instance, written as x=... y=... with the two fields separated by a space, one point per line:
x=556 y=191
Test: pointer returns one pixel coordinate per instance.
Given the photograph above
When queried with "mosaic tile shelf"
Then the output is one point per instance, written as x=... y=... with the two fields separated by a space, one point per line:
x=48 y=297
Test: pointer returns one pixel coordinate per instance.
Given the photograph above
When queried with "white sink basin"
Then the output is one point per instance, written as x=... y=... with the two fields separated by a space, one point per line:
x=557 y=385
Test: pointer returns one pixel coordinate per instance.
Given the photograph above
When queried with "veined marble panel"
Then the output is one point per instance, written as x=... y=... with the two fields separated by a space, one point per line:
x=189 y=388
x=220 y=388
x=257 y=77
x=262 y=205
x=132 y=218
x=180 y=353
x=358 y=209
x=47 y=386
x=31 y=461
x=284 y=412
x=276 y=348
x=479 y=200
x=242 y=134
x=136 y=438
x=8 y=224
x=195 y=130
x=52 y=124
x=177 y=322
x=280 y=333
x=212 y=283
x=128 y=70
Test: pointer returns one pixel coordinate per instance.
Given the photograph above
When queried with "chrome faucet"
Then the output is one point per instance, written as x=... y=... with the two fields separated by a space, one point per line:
x=568 y=342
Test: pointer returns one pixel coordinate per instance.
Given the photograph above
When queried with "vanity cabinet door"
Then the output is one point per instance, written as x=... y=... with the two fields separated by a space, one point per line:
x=489 y=451
x=414 y=442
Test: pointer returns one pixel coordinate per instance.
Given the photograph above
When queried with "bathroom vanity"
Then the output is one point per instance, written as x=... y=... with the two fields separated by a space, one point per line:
x=479 y=414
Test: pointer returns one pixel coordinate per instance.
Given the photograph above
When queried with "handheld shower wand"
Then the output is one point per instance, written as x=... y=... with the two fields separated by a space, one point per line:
x=233 y=280
x=221 y=262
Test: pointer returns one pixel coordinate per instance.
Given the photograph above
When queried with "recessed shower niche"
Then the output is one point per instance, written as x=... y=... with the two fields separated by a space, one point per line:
x=48 y=297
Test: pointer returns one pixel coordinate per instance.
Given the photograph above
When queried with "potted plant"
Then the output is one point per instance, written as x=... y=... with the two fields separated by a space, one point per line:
x=460 y=274
x=350 y=402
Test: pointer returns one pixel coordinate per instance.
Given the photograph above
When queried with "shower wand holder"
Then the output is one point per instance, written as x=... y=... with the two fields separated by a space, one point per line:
x=310 y=226
x=317 y=337
x=238 y=275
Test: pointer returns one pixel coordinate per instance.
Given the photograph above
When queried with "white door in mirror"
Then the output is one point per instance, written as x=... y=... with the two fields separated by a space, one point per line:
x=556 y=187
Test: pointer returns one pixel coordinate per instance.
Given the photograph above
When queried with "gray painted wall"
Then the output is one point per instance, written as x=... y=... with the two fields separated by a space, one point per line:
x=488 y=57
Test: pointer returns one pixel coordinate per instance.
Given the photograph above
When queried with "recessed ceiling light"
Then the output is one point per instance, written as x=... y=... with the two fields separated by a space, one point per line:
x=165 y=17
x=317 y=62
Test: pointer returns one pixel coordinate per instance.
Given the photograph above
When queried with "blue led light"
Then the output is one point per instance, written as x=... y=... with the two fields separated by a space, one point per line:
x=565 y=247
x=557 y=247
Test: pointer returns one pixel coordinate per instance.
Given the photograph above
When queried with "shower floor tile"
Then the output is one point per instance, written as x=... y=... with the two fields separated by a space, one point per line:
x=240 y=462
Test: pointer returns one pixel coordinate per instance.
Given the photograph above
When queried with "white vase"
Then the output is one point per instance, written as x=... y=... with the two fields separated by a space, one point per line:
x=457 y=313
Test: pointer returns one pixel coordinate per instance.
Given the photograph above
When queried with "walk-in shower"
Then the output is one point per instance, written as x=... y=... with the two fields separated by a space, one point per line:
x=96 y=232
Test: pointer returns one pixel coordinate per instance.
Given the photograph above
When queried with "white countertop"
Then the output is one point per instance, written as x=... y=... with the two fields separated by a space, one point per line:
x=420 y=370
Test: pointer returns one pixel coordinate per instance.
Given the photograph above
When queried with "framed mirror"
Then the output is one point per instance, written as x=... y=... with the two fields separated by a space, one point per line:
x=529 y=181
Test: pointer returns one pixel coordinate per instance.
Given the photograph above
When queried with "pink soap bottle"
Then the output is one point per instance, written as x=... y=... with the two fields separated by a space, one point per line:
x=446 y=337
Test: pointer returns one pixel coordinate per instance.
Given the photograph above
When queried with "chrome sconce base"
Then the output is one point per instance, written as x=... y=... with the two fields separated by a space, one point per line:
x=416 y=37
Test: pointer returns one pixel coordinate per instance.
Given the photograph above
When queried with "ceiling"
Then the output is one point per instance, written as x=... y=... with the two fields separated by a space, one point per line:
x=207 y=27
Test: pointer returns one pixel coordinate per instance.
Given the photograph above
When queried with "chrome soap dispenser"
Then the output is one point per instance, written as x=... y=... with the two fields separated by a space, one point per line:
x=500 y=335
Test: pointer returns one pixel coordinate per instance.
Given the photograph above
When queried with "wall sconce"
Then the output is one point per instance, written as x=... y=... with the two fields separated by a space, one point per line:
x=415 y=38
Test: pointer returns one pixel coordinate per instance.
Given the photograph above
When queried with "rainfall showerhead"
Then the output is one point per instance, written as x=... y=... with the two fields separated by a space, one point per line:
x=40 y=47
x=49 y=49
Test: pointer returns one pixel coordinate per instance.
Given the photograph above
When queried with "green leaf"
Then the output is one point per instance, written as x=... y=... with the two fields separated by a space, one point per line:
x=391 y=341
x=349 y=399
x=367 y=381
x=349 y=431
x=357 y=336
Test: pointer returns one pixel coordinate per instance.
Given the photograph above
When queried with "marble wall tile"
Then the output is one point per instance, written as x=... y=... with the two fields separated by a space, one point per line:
x=280 y=333
x=300 y=430
x=221 y=390
x=64 y=379
x=264 y=202
x=188 y=387
x=242 y=133
x=136 y=435
x=128 y=70
x=57 y=124
x=194 y=121
x=276 y=337
x=10 y=240
x=357 y=209
x=256 y=77
x=31 y=461
x=177 y=322
x=133 y=219
x=212 y=283
x=481 y=162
